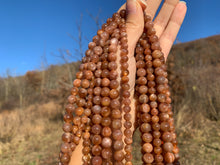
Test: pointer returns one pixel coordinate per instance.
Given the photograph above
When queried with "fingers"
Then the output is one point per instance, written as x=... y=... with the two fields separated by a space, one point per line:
x=172 y=29
x=152 y=6
x=164 y=15
x=134 y=21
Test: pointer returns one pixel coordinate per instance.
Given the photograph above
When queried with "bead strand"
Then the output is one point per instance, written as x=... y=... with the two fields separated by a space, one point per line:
x=98 y=101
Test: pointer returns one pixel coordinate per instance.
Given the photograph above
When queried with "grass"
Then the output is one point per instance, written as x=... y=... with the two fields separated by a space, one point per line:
x=36 y=135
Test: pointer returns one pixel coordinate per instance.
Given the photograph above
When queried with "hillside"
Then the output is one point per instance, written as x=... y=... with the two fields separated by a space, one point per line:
x=31 y=108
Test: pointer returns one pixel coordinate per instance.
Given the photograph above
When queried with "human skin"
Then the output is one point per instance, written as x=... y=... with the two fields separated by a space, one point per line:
x=167 y=24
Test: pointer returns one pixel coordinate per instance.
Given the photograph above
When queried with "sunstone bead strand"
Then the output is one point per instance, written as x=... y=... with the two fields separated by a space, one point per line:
x=125 y=91
x=118 y=153
x=100 y=96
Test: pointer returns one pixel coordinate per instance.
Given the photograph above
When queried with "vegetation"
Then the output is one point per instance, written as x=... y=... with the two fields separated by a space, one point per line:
x=31 y=108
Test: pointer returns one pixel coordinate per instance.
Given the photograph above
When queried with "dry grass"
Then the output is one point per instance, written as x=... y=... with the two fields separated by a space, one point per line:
x=30 y=136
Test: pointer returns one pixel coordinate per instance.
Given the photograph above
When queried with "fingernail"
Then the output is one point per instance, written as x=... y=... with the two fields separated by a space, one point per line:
x=183 y=2
x=131 y=6
x=144 y=2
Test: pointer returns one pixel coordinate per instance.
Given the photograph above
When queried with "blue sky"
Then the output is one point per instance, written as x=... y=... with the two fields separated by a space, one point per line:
x=31 y=29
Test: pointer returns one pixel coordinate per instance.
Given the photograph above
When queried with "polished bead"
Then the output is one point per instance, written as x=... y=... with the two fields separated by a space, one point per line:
x=96 y=139
x=106 y=121
x=169 y=157
x=97 y=160
x=96 y=150
x=106 y=142
x=145 y=127
x=106 y=131
x=67 y=127
x=96 y=129
x=147 y=137
x=167 y=137
x=106 y=153
x=119 y=155
x=147 y=147
x=117 y=134
x=168 y=147
x=148 y=158
x=65 y=147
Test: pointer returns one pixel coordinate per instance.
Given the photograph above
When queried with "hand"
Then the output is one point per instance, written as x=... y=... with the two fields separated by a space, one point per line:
x=167 y=25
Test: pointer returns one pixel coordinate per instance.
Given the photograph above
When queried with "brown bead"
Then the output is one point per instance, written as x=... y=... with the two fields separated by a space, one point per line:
x=114 y=84
x=106 y=142
x=143 y=99
x=105 y=101
x=157 y=142
x=97 y=100
x=119 y=155
x=142 y=80
x=96 y=119
x=105 y=73
x=147 y=147
x=167 y=137
x=145 y=108
x=154 y=111
x=116 y=114
x=157 y=63
x=115 y=104
x=116 y=124
x=72 y=99
x=117 y=134
x=66 y=137
x=161 y=98
x=118 y=145
x=96 y=139
x=143 y=89
x=157 y=150
x=67 y=127
x=169 y=157
x=112 y=57
x=106 y=153
x=65 y=147
x=155 y=119
x=168 y=147
x=106 y=121
x=158 y=158
x=96 y=109
x=140 y=64
x=127 y=124
x=106 y=131
x=148 y=158
x=165 y=126
x=145 y=127
x=68 y=117
x=96 y=129
x=65 y=158
x=79 y=111
x=105 y=82
x=96 y=150
x=96 y=160
x=147 y=137
x=145 y=118
x=163 y=117
x=157 y=54
x=70 y=108
x=105 y=111
x=114 y=94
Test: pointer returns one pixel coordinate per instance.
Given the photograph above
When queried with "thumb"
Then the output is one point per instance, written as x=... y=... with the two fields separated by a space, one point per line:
x=134 y=21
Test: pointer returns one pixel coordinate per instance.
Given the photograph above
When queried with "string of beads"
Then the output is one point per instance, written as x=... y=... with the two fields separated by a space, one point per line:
x=99 y=109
